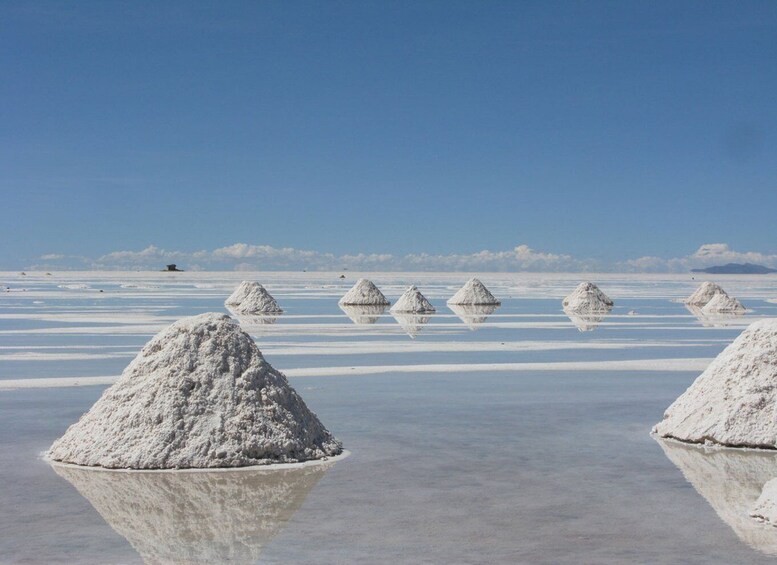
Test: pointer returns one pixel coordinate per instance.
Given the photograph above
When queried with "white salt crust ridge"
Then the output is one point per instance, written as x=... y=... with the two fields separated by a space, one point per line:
x=731 y=403
x=198 y=395
x=364 y=293
x=473 y=293
x=723 y=304
x=412 y=301
x=252 y=298
x=765 y=508
x=587 y=297
x=704 y=294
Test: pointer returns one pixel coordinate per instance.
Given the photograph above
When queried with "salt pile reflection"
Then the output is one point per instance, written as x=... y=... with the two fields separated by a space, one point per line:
x=730 y=480
x=196 y=516
x=361 y=315
x=473 y=314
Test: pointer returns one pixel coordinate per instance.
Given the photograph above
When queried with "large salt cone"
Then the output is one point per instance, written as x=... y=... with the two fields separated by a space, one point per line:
x=730 y=480
x=473 y=315
x=413 y=302
x=474 y=293
x=702 y=295
x=587 y=298
x=723 y=304
x=364 y=293
x=733 y=402
x=252 y=298
x=198 y=395
x=196 y=517
x=363 y=315
x=411 y=324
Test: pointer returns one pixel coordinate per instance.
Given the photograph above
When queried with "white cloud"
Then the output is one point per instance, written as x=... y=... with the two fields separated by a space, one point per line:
x=707 y=255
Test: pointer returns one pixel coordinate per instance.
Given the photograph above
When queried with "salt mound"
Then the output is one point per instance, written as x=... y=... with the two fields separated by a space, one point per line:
x=765 y=508
x=704 y=294
x=723 y=304
x=474 y=292
x=198 y=395
x=414 y=302
x=733 y=402
x=196 y=517
x=362 y=315
x=252 y=298
x=730 y=480
x=587 y=298
x=364 y=293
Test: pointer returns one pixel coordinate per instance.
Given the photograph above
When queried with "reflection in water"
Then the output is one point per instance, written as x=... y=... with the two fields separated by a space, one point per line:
x=411 y=324
x=363 y=314
x=586 y=321
x=714 y=320
x=248 y=320
x=731 y=481
x=195 y=517
x=473 y=314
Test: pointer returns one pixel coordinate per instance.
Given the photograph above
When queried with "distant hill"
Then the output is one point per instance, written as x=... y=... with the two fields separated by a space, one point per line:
x=736 y=269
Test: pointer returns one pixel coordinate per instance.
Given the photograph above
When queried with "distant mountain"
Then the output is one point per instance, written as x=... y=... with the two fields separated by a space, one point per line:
x=736 y=269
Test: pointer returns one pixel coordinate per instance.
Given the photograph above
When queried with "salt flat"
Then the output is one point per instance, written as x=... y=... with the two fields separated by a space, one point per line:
x=470 y=441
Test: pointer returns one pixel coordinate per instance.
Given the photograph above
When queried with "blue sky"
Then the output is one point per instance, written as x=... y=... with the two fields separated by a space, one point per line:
x=600 y=132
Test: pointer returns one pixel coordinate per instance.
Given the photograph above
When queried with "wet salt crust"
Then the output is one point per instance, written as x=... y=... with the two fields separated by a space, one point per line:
x=252 y=298
x=364 y=293
x=198 y=395
x=732 y=403
x=473 y=293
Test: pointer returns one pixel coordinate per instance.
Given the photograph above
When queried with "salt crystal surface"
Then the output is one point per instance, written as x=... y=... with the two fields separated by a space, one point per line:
x=198 y=395
x=704 y=294
x=412 y=301
x=723 y=304
x=587 y=297
x=732 y=403
x=252 y=298
x=364 y=293
x=473 y=292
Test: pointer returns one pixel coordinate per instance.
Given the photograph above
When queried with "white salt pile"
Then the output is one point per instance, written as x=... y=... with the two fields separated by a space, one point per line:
x=587 y=297
x=704 y=294
x=473 y=292
x=196 y=517
x=732 y=403
x=252 y=298
x=723 y=304
x=364 y=293
x=414 y=302
x=198 y=395
x=765 y=508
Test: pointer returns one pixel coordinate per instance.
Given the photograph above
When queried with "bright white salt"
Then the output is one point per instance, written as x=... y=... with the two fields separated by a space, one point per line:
x=733 y=402
x=473 y=292
x=704 y=294
x=364 y=293
x=414 y=302
x=765 y=508
x=198 y=395
x=252 y=298
x=587 y=297
x=723 y=304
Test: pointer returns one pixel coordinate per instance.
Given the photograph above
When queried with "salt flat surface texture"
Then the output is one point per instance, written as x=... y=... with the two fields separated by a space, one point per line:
x=732 y=403
x=413 y=302
x=473 y=293
x=364 y=293
x=252 y=298
x=198 y=395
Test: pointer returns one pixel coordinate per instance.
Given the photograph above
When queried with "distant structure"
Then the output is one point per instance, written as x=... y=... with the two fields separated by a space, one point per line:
x=736 y=269
x=173 y=268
